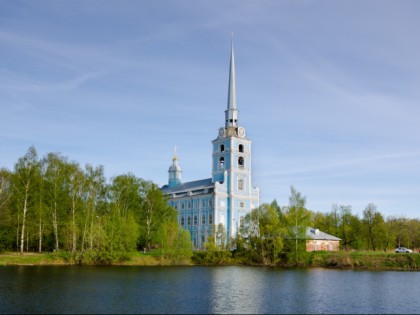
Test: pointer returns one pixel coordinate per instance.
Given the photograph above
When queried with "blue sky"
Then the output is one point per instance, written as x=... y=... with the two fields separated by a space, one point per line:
x=328 y=91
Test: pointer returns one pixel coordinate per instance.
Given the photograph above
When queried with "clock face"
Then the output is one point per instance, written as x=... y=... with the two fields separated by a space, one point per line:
x=221 y=132
x=241 y=132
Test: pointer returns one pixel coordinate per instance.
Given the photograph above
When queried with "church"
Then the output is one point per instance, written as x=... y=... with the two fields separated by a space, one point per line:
x=228 y=195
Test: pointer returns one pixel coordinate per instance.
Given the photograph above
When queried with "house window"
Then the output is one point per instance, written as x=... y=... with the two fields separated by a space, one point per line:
x=182 y=221
x=222 y=148
x=241 y=162
x=203 y=219
x=240 y=184
x=241 y=148
x=222 y=162
x=195 y=220
x=189 y=220
x=210 y=219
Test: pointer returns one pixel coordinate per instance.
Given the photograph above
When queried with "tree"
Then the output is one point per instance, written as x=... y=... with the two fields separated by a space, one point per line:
x=175 y=242
x=297 y=218
x=26 y=170
x=6 y=222
x=373 y=224
x=264 y=234
x=154 y=210
x=55 y=188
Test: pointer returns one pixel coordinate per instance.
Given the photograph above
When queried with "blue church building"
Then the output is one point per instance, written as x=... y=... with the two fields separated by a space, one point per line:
x=228 y=195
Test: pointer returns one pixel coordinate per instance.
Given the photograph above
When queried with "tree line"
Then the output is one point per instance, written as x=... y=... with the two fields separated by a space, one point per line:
x=272 y=232
x=53 y=204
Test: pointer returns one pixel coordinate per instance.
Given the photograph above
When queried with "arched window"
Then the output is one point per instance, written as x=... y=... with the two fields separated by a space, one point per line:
x=182 y=221
x=222 y=148
x=241 y=148
x=195 y=220
x=189 y=220
x=241 y=162
x=222 y=162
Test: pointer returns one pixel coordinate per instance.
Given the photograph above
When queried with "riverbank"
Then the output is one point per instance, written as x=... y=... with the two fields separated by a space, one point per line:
x=338 y=260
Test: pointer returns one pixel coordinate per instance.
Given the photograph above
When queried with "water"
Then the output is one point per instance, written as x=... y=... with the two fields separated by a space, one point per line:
x=73 y=289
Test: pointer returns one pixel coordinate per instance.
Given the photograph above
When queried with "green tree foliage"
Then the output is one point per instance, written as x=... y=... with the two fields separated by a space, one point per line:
x=56 y=205
x=373 y=226
x=154 y=212
x=176 y=244
x=7 y=232
x=263 y=235
x=25 y=180
x=296 y=219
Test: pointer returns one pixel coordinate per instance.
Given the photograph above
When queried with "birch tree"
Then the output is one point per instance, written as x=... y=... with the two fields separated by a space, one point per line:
x=26 y=170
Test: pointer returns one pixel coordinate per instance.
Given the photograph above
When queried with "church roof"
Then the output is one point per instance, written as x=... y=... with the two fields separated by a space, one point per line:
x=316 y=234
x=188 y=186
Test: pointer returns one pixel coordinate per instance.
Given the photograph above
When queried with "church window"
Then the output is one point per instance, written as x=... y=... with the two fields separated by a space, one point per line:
x=203 y=203
x=203 y=219
x=195 y=220
x=222 y=148
x=241 y=148
x=189 y=220
x=182 y=205
x=210 y=203
x=240 y=184
x=189 y=205
x=210 y=219
x=196 y=203
x=222 y=162
x=182 y=221
x=176 y=207
x=241 y=204
x=241 y=162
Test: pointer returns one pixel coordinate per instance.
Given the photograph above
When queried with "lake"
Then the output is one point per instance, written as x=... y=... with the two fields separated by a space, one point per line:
x=199 y=289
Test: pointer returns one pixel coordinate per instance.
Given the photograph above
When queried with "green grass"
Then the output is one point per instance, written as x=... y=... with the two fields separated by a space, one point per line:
x=363 y=260
x=13 y=258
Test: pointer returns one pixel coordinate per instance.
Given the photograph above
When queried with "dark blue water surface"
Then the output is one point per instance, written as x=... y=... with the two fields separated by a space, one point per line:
x=72 y=289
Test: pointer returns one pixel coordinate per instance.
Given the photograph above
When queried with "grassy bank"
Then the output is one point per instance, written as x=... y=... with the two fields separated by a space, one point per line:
x=359 y=260
x=338 y=260
x=65 y=258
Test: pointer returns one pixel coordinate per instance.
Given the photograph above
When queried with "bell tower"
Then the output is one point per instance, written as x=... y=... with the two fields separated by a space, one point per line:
x=231 y=163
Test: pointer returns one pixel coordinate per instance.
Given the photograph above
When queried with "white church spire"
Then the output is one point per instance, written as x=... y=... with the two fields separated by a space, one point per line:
x=231 y=113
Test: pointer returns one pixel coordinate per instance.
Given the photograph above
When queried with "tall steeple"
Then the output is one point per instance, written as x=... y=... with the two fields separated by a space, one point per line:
x=231 y=113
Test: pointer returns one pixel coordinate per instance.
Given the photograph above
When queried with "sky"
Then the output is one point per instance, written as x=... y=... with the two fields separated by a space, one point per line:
x=328 y=92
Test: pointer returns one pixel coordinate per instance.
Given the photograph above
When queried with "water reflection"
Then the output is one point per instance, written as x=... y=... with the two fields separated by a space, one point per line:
x=198 y=290
x=236 y=290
